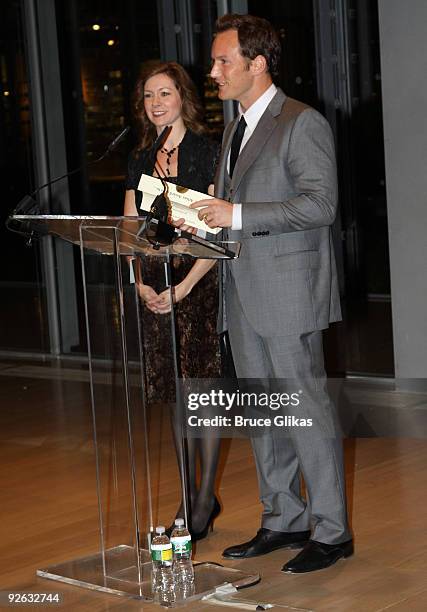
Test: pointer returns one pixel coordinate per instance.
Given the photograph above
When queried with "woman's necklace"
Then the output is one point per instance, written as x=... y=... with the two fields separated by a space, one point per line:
x=169 y=153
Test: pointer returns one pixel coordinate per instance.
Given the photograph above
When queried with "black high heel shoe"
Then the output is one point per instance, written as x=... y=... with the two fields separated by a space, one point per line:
x=199 y=535
x=180 y=514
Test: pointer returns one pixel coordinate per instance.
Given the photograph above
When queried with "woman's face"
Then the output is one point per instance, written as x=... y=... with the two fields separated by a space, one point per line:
x=162 y=101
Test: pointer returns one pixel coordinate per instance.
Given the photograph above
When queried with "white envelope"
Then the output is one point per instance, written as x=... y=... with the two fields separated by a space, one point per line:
x=180 y=198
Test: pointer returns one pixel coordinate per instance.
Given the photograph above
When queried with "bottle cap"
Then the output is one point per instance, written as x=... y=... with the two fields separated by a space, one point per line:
x=179 y=522
x=160 y=529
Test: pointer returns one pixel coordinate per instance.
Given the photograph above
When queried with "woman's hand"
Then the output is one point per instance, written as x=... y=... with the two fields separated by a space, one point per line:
x=181 y=224
x=159 y=303
x=179 y=293
x=148 y=296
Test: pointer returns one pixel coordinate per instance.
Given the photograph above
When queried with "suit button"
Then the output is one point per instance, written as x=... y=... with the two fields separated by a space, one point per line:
x=253 y=233
x=263 y=233
x=267 y=233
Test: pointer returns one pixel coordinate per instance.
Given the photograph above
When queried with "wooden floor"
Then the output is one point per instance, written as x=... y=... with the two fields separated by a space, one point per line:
x=48 y=510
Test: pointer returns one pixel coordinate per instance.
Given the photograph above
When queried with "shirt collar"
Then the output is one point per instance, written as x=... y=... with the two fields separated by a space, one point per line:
x=257 y=109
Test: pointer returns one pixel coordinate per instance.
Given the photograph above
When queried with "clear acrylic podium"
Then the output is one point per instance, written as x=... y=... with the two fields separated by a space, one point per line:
x=126 y=445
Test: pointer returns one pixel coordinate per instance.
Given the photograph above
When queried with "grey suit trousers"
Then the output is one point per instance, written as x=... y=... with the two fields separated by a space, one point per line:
x=315 y=452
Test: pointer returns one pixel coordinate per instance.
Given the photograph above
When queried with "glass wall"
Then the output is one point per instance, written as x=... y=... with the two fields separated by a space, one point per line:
x=205 y=15
x=102 y=46
x=363 y=343
x=294 y=23
x=22 y=294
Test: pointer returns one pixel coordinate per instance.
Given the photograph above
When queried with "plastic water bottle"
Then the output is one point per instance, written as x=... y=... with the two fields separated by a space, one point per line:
x=162 y=560
x=181 y=546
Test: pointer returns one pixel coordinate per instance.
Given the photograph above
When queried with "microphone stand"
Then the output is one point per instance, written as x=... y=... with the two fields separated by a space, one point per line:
x=29 y=206
x=159 y=215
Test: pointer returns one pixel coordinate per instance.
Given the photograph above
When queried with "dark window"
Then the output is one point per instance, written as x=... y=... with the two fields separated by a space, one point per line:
x=21 y=287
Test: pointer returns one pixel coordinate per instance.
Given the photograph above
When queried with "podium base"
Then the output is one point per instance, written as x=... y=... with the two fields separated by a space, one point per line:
x=120 y=576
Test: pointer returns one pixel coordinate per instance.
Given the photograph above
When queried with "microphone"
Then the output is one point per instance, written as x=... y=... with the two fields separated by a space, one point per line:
x=161 y=206
x=108 y=150
x=29 y=206
x=156 y=228
x=160 y=141
x=115 y=142
x=155 y=147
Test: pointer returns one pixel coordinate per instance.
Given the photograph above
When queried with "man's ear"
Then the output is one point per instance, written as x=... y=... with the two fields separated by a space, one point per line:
x=258 y=65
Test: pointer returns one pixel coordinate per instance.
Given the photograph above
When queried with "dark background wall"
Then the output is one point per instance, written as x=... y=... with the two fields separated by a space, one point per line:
x=331 y=59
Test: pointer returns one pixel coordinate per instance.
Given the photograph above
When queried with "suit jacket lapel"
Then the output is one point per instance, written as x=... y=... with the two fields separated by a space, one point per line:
x=262 y=132
x=222 y=165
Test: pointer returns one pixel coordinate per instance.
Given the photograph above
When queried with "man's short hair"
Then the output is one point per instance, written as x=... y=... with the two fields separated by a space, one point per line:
x=256 y=37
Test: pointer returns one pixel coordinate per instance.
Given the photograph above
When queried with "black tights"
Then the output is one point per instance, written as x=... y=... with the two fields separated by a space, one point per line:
x=201 y=496
x=206 y=450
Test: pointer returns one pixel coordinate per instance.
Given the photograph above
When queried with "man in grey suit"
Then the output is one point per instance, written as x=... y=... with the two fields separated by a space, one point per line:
x=276 y=192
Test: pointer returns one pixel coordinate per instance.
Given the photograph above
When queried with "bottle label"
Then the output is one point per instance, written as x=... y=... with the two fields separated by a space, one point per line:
x=181 y=545
x=161 y=552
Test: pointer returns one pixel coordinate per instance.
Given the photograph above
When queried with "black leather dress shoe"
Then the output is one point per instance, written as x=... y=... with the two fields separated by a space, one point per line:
x=266 y=541
x=316 y=555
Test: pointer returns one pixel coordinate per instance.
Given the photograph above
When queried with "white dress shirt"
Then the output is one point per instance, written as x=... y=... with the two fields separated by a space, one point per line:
x=252 y=116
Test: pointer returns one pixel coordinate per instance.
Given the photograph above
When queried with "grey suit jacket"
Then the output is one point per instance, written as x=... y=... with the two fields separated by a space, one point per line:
x=285 y=179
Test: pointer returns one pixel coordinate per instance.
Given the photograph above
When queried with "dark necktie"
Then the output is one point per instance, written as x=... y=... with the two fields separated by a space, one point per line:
x=235 y=145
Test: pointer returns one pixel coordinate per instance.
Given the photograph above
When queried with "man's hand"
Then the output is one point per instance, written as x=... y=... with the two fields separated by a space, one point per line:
x=215 y=212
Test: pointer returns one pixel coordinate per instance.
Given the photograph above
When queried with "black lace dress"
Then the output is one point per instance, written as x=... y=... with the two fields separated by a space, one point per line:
x=197 y=313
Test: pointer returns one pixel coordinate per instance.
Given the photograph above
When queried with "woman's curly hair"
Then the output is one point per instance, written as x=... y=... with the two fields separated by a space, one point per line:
x=192 y=110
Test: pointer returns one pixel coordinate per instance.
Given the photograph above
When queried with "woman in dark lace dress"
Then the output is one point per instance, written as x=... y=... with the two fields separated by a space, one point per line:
x=165 y=96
